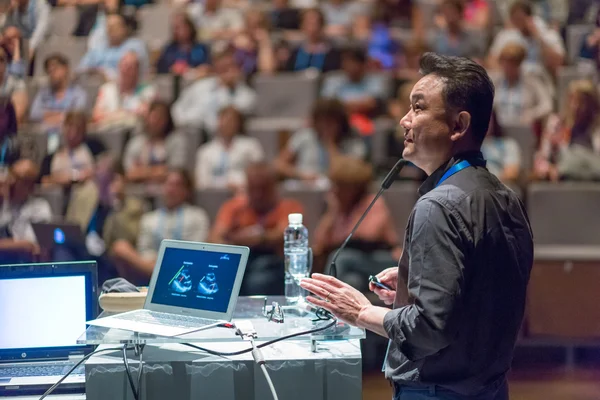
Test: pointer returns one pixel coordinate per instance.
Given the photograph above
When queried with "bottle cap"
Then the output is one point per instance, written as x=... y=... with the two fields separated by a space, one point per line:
x=295 y=219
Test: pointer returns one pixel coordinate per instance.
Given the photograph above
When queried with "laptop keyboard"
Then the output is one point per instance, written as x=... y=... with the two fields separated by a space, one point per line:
x=178 y=321
x=16 y=371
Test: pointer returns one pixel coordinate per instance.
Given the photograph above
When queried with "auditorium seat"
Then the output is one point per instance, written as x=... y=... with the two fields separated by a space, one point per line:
x=526 y=139
x=63 y=21
x=164 y=85
x=211 y=201
x=575 y=36
x=55 y=196
x=286 y=95
x=113 y=138
x=272 y=132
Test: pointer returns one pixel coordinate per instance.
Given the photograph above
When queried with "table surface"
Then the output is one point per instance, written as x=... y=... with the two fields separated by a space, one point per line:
x=296 y=319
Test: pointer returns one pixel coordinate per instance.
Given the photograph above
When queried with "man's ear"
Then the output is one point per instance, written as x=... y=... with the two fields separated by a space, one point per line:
x=462 y=122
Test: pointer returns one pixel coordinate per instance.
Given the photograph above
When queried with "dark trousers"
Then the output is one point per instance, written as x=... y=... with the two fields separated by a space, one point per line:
x=433 y=392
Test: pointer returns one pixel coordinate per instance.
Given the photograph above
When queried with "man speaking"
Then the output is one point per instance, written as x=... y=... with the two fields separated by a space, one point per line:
x=458 y=293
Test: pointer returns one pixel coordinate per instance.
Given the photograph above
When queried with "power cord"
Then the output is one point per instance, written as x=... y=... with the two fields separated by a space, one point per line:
x=129 y=375
x=139 y=349
x=85 y=358
x=260 y=361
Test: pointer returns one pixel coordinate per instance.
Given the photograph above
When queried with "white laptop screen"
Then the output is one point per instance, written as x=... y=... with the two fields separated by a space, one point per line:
x=197 y=279
x=42 y=312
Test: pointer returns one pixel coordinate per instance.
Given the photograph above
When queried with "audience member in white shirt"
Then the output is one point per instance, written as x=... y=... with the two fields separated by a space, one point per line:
x=176 y=219
x=545 y=47
x=19 y=210
x=214 y=22
x=221 y=163
x=149 y=156
x=199 y=104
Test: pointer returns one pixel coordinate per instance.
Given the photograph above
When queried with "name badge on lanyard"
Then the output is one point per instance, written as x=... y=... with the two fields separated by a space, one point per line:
x=177 y=233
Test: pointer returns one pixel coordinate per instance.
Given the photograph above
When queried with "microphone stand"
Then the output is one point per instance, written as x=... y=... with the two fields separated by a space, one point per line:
x=385 y=184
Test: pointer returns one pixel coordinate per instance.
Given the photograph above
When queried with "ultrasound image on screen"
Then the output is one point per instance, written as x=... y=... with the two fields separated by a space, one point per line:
x=197 y=279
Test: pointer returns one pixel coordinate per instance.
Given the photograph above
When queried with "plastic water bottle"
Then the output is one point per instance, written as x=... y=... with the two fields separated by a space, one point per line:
x=295 y=250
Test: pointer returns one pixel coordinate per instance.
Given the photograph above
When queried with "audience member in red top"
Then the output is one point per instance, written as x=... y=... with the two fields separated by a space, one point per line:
x=374 y=245
x=257 y=219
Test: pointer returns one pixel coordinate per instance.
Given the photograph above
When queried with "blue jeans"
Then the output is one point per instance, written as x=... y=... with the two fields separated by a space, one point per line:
x=437 y=393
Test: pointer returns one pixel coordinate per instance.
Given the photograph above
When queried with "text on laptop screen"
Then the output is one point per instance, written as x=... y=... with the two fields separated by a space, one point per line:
x=42 y=311
x=198 y=279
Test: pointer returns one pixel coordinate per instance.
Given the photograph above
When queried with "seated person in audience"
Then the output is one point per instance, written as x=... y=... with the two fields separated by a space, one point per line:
x=590 y=47
x=570 y=146
x=375 y=245
x=521 y=97
x=502 y=153
x=374 y=32
x=284 y=17
x=199 y=104
x=339 y=15
x=257 y=219
x=32 y=17
x=221 y=163
x=125 y=101
x=408 y=68
x=12 y=87
x=315 y=52
x=252 y=46
x=177 y=219
x=149 y=156
x=214 y=22
x=57 y=97
x=74 y=162
x=12 y=42
x=92 y=22
x=19 y=210
x=13 y=146
x=475 y=13
x=453 y=39
x=184 y=56
x=545 y=47
x=403 y=13
x=361 y=93
x=106 y=61
x=309 y=151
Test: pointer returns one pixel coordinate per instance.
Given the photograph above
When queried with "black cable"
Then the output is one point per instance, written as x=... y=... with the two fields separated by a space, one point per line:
x=61 y=380
x=140 y=349
x=260 y=346
x=129 y=375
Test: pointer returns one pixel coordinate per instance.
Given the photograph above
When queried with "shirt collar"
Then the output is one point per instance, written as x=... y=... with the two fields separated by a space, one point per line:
x=474 y=157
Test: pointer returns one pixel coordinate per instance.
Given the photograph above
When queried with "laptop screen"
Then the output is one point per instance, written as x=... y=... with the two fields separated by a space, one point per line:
x=197 y=279
x=42 y=312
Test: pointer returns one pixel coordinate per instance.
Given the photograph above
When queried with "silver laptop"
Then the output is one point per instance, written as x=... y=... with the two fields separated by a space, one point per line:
x=194 y=286
x=44 y=309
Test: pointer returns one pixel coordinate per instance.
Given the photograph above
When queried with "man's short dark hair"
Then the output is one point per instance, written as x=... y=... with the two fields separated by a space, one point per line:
x=56 y=57
x=522 y=5
x=355 y=53
x=467 y=87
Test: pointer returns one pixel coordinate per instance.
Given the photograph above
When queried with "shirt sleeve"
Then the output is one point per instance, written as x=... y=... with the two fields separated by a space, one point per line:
x=435 y=281
x=144 y=244
x=42 y=24
x=199 y=223
x=36 y=114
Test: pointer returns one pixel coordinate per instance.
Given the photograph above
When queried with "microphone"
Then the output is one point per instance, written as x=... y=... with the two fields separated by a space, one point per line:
x=385 y=184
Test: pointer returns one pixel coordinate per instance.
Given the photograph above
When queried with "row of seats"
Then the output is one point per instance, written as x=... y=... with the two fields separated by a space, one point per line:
x=576 y=225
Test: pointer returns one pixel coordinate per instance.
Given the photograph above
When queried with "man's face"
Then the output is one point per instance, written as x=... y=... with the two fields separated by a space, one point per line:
x=57 y=73
x=175 y=192
x=353 y=68
x=228 y=70
x=451 y=14
x=519 y=20
x=427 y=137
x=261 y=190
x=116 y=29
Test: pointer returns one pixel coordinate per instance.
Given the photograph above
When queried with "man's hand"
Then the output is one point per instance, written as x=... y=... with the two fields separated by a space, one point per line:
x=337 y=297
x=388 y=277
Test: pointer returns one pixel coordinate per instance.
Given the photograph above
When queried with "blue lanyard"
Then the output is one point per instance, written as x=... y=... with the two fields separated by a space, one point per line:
x=4 y=150
x=177 y=233
x=453 y=170
x=93 y=225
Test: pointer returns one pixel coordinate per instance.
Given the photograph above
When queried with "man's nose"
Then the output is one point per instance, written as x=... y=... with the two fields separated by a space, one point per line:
x=405 y=122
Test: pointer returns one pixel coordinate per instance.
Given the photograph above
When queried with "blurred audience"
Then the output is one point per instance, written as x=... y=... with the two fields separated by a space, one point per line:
x=253 y=47
x=315 y=51
x=13 y=45
x=521 y=97
x=199 y=104
x=545 y=47
x=590 y=47
x=53 y=100
x=106 y=60
x=408 y=68
x=176 y=219
x=74 y=161
x=184 y=55
x=149 y=155
x=309 y=152
x=502 y=153
x=361 y=93
x=339 y=15
x=12 y=88
x=214 y=22
x=284 y=17
x=257 y=219
x=20 y=208
x=222 y=162
x=32 y=17
x=570 y=146
x=454 y=39
x=125 y=101
x=375 y=245
x=14 y=146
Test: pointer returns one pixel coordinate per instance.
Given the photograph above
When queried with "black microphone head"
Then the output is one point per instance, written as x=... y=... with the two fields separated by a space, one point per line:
x=391 y=176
